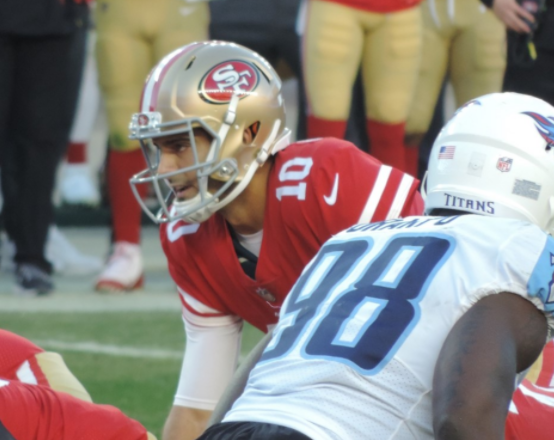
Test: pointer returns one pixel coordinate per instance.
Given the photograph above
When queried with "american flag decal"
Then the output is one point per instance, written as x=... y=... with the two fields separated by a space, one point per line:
x=447 y=152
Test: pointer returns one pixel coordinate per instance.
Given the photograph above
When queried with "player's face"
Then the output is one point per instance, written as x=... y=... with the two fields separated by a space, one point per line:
x=176 y=152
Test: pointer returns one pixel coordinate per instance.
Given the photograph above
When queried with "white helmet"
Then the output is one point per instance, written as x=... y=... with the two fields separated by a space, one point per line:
x=496 y=157
x=223 y=88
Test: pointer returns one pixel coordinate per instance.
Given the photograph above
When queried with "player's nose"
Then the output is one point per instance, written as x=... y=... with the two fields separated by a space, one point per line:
x=168 y=163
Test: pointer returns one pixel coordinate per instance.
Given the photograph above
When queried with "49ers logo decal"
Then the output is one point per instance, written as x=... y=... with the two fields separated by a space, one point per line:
x=227 y=79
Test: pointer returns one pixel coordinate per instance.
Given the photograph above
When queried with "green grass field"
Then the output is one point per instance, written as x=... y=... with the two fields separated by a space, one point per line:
x=127 y=359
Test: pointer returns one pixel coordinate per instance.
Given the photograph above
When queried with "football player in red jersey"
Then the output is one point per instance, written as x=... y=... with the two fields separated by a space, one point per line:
x=247 y=210
x=35 y=412
x=41 y=399
x=23 y=361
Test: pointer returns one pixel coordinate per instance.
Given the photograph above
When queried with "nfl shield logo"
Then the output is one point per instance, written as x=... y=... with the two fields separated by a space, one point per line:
x=265 y=294
x=504 y=164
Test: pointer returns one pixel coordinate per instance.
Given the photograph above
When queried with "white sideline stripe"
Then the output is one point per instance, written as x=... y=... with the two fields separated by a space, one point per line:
x=112 y=350
x=93 y=303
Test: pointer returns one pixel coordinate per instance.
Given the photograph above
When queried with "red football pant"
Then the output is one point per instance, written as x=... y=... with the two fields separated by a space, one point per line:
x=126 y=212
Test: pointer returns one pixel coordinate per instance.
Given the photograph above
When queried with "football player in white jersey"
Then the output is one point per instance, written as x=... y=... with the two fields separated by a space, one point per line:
x=419 y=328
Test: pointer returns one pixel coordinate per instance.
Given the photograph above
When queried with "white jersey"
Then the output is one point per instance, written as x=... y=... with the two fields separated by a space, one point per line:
x=353 y=354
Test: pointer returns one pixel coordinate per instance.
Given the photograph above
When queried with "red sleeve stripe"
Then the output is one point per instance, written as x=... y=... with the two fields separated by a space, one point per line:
x=375 y=196
x=545 y=378
x=402 y=194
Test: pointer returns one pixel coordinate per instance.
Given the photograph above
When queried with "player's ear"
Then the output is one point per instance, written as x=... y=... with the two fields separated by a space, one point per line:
x=247 y=136
x=249 y=133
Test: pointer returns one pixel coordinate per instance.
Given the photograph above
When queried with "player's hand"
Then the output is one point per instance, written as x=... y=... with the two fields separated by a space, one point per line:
x=513 y=15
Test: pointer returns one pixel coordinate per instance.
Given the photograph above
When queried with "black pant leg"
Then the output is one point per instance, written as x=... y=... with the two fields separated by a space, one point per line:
x=289 y=47
x=7 y=60
x=48 y=73
x=250 y=431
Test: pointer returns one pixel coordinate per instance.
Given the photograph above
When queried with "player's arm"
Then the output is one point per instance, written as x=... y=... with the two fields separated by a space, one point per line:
x=238 y=384
x=59 y=376
x=500 y=336
x=185 y=423
x=211 y=354
x=22 y=360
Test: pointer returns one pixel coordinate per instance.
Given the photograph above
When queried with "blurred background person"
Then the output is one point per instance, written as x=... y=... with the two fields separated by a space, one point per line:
x=77 y=185
x=384 y=38
x=516 y=17
x=274 y=29
x=42 y=45
x=530 y=66
x=270 y=28
x=132 y=35
x=464 y=41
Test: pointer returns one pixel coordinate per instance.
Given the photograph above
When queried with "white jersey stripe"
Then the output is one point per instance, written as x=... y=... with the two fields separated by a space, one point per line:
x=198 y=313
x=546 y=399
x=376 y=193
x=400 y=198
x=25 y=374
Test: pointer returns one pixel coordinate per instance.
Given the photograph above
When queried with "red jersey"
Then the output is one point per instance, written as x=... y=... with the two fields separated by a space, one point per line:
x=531 y=415
x=31 y=412
x=380 y=6
x=17 y=359
x=315 y=189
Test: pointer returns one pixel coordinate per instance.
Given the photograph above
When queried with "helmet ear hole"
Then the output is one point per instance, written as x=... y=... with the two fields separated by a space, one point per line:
x=254 y=128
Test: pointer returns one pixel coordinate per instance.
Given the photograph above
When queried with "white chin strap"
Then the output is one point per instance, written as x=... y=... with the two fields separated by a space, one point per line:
x=180 y=209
